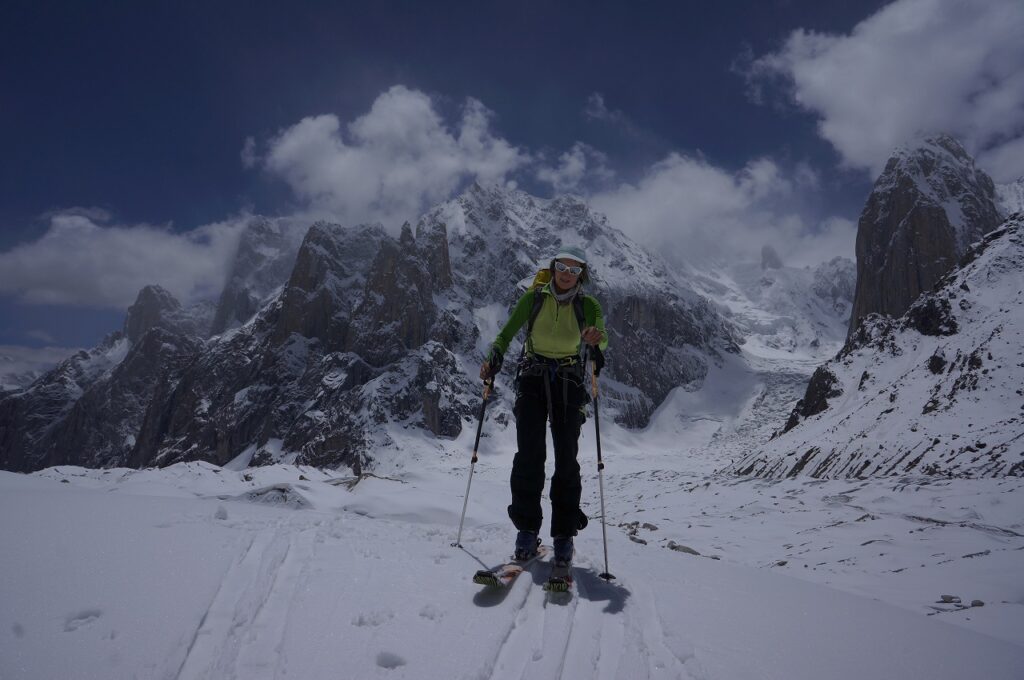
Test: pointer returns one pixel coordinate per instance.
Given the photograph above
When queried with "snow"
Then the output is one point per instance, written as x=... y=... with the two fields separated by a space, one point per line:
x=898 y=411
x=1011 y=196
x=195 y=571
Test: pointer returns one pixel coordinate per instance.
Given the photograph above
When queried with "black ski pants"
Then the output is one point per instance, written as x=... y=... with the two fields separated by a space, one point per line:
x=567 y=399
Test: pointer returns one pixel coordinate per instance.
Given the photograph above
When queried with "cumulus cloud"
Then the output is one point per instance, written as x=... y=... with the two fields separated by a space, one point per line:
x=392 y=163
x=691 y=209
x=915 y=67
x=579 y=165
x=80 y=262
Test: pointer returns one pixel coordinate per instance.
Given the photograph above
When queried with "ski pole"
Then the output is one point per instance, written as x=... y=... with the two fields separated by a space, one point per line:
x=600 y=467
x=488 y=384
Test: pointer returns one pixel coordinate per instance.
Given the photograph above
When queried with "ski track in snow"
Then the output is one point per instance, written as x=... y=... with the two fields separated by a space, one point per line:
x=575 y=635
x=233 y=631
x=360 y=582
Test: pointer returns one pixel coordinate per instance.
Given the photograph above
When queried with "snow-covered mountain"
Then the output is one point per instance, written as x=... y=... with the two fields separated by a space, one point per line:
x=21 y=366
x=89 y=408
x=800 y=311
x=937 y=390
x=928 y=205
x=369 y=335
x=265 y=257
x=662 y=333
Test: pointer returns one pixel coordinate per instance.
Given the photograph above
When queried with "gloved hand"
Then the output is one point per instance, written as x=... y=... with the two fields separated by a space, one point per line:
x=492 y=366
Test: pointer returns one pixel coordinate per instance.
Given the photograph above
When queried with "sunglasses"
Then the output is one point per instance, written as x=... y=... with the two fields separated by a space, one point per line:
x=575 y=271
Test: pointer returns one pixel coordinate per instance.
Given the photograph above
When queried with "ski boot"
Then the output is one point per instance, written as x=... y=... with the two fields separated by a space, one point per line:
x=527 y=543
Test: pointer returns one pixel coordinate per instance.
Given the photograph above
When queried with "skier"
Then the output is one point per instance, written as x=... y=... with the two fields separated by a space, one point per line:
x=550 y=386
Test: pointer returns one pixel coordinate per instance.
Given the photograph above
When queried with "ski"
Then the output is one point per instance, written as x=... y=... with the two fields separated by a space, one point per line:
x=560 y=580
x=503 y=576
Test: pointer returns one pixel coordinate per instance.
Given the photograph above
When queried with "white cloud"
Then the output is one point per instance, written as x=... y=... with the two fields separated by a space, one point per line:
x=93 y=213
x=78 y=262
x=248 y=154
x=596 y=109
x=579 y=164
x=915 y=67
x=688 y=208
x=19 y=365
x=41 y=336
x=392 y=163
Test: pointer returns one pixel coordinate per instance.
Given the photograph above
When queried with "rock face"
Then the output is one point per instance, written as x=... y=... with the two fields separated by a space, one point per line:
x=343 y=351
x=936 y=391
x=929 y=204
x=88 y=410
x=156 y=308
x=266 y=256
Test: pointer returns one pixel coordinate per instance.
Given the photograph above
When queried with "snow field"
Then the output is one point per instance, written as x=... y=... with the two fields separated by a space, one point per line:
x=197 y=572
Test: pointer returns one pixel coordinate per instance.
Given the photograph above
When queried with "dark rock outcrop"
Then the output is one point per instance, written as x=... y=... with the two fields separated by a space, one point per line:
x=929 y=204
x=823 y=386
x=770 y=258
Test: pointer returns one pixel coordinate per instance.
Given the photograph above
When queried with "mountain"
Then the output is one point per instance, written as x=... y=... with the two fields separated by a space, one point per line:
x=351 y=346
x=87 y=411
x=935 y=391
x=368 y=338
x=21 y=366
x=266 y=254
x=798 y=311
x=928 y=205
x=663 y=334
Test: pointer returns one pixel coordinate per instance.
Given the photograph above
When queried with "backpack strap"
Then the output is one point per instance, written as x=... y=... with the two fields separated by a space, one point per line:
x=538 y=302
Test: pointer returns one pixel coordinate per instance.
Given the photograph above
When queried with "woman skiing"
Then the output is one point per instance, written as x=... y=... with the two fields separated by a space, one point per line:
x=550 y=387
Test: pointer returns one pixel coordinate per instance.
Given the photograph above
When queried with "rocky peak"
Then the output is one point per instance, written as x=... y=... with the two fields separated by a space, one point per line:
x=433 y=240
x=770 y=258
x=264 y=259
x=397 y=306
x=154 y=306
x=327 y=281
x=929 y=204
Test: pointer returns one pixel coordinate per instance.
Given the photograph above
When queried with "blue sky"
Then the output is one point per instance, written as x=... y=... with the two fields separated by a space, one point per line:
x=136 y=135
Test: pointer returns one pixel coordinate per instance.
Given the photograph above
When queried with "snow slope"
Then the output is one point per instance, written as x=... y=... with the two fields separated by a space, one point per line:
x=938 y=390
x=195 y=571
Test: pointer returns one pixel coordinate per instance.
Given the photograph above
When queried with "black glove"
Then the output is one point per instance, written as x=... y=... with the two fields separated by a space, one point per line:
x=495 y=361
x=597 y=356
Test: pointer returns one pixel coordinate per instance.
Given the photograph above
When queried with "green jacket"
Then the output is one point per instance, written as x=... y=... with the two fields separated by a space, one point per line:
x=556 y=334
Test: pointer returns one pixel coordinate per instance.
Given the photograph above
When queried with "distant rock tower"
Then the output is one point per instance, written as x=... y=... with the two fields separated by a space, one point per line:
x=929 y=204
x=770 y=258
